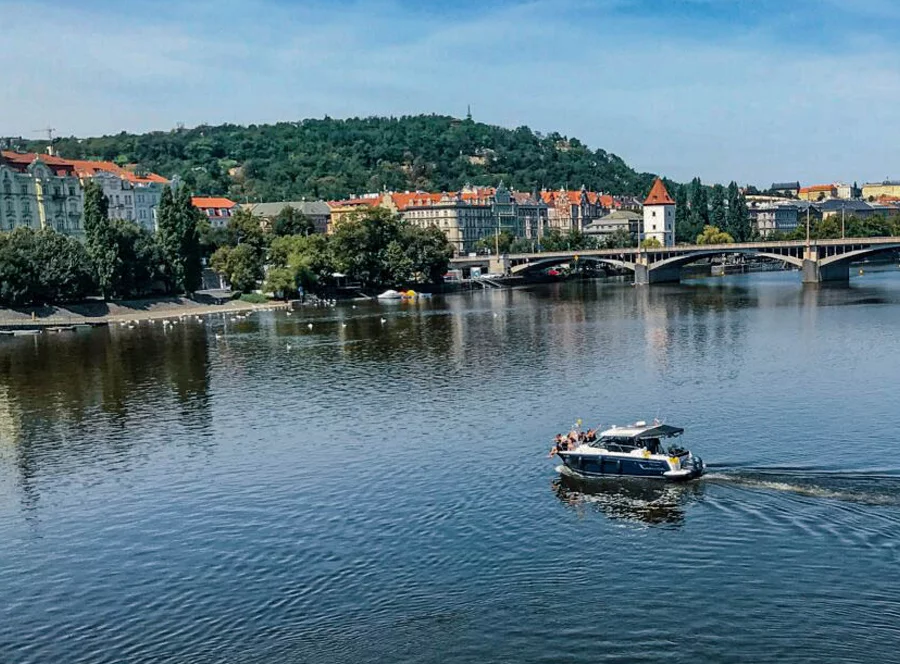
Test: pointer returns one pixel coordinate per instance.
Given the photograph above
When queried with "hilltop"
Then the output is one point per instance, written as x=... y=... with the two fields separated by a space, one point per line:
x=332 y=159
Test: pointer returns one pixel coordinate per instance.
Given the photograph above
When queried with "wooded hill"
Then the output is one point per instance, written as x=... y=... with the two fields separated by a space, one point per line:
x=333 y=159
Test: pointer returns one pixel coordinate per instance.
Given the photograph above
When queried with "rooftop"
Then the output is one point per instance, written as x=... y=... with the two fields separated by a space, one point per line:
x=204 y=202
x=659 y=195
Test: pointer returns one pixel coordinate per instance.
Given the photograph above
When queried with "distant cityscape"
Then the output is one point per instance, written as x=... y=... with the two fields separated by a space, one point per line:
x=47 y=191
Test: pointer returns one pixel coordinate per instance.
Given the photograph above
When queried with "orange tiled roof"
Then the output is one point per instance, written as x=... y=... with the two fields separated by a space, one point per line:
x=22 y=160
x=204 y=202
x=817 y=187
x=573 y=197
x=659 y=195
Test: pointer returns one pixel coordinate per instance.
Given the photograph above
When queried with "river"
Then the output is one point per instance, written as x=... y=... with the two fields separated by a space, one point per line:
x=376 y=488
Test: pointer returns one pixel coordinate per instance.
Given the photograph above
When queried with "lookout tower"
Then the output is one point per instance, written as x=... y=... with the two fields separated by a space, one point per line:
x=659 y=215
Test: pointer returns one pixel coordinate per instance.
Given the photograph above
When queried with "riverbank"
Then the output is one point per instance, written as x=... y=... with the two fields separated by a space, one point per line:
x=104 y=313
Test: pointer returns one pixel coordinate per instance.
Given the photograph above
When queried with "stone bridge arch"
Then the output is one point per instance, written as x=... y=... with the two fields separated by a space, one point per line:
x=533 y=265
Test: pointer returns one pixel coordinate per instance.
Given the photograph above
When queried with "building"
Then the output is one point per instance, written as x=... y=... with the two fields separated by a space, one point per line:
x=770 y=218
x=785 y=189
x=847 y=191
x=817 y=192
x=340 y=210
x=872 y=191
x=133 y=194
x=463 y=219
x=617 y=220
x=40 y=191
x=573 y=210
x=218 y=210
x=659 y=215
x=858 y=209
x=317 y=212
x=531 y=215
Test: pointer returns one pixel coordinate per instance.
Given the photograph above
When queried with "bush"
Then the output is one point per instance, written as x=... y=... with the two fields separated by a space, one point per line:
x=254 y=298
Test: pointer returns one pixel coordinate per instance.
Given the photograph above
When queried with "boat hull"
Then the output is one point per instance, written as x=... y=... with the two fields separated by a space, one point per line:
x=600 y=465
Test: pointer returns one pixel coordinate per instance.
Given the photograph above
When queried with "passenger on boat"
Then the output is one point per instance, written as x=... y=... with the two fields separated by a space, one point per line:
x=560 y=444
x=653 y=445
x=590 y=436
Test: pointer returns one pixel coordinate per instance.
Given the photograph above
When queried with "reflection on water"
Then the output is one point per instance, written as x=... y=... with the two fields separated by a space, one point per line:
x=94 y=397
x=647 y=501
x=364 y=490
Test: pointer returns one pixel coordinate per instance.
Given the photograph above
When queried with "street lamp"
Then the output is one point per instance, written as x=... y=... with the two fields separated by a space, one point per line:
x=843 y=208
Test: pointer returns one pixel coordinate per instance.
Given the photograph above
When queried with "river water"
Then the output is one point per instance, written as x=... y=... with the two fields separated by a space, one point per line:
x=254 y=490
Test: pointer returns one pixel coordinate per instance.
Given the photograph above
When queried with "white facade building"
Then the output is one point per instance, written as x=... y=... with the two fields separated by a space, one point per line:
x=659 y=215
x=38 y=191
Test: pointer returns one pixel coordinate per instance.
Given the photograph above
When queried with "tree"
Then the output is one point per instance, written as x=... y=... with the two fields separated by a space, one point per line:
x=619 y=239
x=651 y=243
x=101 y=244
x=574 y=240
x=179 y=239
x=683 y=225
x=712 y=235
x=241 y=266
x=41 y=267
x=307 y=258
x=360 y=242
x=419 y=255
x=489 y=243
x=699 y=216
x=281 y=281
x=717 y=209
x=737 y=217
x=291 y=221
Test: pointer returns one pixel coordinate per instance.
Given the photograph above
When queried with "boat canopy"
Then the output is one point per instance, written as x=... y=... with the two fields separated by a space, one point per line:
x=643 y=432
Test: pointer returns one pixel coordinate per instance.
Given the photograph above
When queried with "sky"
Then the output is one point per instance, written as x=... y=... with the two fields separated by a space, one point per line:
x=749 y=90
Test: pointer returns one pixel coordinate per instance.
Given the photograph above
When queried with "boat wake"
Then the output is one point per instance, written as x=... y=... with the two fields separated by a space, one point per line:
x=860 y=488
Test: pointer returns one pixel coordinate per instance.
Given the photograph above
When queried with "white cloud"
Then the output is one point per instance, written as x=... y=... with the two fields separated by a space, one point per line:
x=739 y=103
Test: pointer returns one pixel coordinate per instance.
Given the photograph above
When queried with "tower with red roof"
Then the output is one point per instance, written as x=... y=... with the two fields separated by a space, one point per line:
x=659 y=215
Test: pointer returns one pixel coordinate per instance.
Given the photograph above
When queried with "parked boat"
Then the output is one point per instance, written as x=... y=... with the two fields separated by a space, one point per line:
x=635 y=450
x=390 y=295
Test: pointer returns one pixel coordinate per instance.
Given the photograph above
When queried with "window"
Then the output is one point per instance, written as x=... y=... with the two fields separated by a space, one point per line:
x=654 y=213
x=71 y=191
x=654 y=226
x=25 y=189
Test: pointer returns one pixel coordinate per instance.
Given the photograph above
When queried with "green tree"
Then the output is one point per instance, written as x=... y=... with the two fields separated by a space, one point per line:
x=619 y=239
x=489 y=243
x=189 y=252
x=291 y=221
x=717 y=208
x=737 y=217
x=683 y=227
x=651 y=243
x=241 y=266
x=699 y=216
x=419 y=255
x=101 y=245
x=712 y=235
x=360 y=242
x=281 y=281
x=307 y=257
x=42 y=267
x=178 y=234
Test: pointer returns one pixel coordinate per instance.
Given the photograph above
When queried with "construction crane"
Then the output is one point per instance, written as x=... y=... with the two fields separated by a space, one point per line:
x=46 y=130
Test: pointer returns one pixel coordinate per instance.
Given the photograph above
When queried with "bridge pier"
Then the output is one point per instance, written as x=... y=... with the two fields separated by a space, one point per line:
x=815 y=273
x=644 y=276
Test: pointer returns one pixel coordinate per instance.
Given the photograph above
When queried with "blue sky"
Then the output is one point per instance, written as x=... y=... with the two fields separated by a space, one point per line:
x=754 y=91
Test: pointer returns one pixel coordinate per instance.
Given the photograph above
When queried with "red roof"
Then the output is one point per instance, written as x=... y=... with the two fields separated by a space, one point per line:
x=658 y=194
x=83 y=168
x=817 y=187
x=205 y=202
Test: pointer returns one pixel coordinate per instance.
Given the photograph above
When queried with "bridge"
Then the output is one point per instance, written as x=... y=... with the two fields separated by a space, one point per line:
x=818 y=261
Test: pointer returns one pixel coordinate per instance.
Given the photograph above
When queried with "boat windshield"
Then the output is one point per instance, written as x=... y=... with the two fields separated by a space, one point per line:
x=613 y=444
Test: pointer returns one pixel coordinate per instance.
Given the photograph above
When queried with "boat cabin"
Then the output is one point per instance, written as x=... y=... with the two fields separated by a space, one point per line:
x=638 y=436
